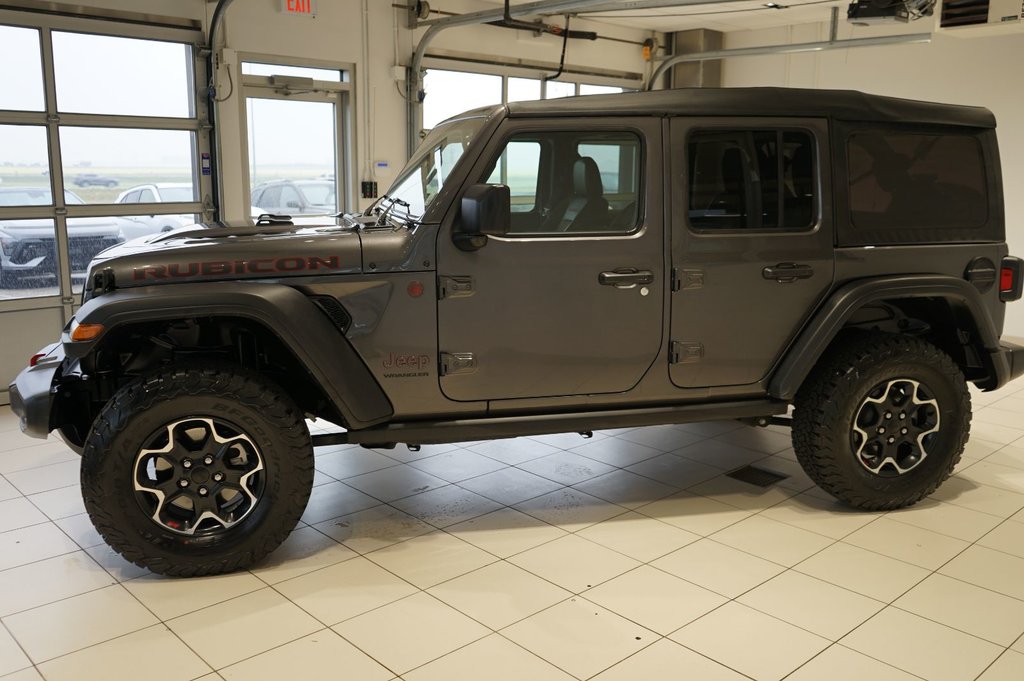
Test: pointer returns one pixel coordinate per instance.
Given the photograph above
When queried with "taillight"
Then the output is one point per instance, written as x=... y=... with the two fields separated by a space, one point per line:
x=1010 y=280
x=35 y=359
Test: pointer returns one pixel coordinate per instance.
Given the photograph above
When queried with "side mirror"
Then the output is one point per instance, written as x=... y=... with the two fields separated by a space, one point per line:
x=486 y=210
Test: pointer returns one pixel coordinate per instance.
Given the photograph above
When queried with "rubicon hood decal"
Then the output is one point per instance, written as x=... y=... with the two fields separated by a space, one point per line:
x=220 y=268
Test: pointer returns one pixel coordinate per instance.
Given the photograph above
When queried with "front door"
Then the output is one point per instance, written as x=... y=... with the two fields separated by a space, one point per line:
x=570 y=301
x=752 y=243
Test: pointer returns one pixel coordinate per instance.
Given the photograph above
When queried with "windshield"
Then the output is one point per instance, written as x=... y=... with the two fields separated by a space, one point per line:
x=425 y=174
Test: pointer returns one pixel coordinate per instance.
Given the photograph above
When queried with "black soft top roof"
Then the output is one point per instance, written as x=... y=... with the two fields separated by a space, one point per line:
x=847 y=105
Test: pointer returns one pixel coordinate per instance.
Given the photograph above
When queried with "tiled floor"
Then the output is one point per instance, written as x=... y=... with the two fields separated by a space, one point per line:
x=625 y=557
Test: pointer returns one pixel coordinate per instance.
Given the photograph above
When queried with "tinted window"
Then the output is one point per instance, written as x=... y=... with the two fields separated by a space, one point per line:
x=916 y=180
x=752 y=179
x=571 y=181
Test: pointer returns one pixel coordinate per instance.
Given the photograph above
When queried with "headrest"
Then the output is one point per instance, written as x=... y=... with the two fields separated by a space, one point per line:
x=586 y=178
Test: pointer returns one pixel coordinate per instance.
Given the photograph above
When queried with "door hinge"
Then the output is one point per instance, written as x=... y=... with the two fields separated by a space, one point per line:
x=457 y=363
x=454 y=287
x=685 y=352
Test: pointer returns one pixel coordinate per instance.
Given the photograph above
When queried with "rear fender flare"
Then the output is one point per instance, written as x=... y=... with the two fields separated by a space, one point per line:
x=826 y=324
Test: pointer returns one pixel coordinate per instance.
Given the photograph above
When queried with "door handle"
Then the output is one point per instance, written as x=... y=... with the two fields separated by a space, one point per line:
x=625 y=277
x=787 y=272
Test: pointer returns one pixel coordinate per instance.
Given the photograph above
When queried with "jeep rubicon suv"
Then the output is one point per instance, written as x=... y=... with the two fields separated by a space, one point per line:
x=544 y=267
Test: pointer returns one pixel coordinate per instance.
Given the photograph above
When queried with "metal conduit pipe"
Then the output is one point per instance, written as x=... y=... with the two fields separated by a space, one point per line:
x=542 y=7
x=786 y=49
x=211 y=92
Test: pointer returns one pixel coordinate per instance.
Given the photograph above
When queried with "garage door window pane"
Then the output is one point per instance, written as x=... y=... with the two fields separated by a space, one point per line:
x=599 y=89
x=250 y=68
x=100 y=164
x=123 y=76
x=28 y=258
x=21 y=87
x=523 y=89
x=557 y=89
x=87 y=238
x=24 y=163
x=450 y=93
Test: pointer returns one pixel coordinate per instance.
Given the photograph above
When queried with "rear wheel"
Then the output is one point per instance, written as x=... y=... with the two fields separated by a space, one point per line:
x=197 y=471
x=882 y=420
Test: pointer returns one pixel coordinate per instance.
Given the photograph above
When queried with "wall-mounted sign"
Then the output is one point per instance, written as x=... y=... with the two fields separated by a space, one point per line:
x=299 y=8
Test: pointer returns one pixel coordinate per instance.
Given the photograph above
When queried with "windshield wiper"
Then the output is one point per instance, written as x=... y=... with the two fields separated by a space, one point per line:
x=386 y=212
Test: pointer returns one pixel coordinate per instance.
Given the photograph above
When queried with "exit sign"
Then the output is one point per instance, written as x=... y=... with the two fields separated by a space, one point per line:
x=299 y=8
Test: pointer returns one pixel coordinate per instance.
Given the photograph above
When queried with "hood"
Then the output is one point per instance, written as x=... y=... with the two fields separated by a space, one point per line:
x=197 y=253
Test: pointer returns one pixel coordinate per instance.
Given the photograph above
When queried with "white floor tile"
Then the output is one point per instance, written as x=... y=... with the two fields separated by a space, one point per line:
x=626 y=489
x=567 y=440
x=673 y=470
x=758 y=439
x=80 y=625
x=771 y=648
x=458 y=465
x=506 y=532
x=264 y=618
x=495 y=657
x=1009 y=667
x=827 y=517
x=1008 y=538
x=569 y=509
x=772 y=540
x=580 y=637
x=46 y=581
x=446 y=506
x=345 y=590
x=80 y=529
x=722 y=455
x=694 y=513
x=638 y=536
x=839 y=663
x=29 y=674
x=922 y=647
x=156 y=650
x=655 y=599
x=667 y=659
x=513 y=451
x=825 y=609
x=717 y=567
x=321 y=656
x=350 y=462
x=904 y=542
x=12 y=657
x=994 y=475
x=60 y=503
x=29 y=544
x=169 y=597
x=616 y=451
x=574 y=563
x=949 y=519
x=431 y=559
x=868 y=573
x=115 y=564
x=741 y=494
x=663 y=438
x=396 y=482
x=566 y=468
x=403 y=454
x=19 y=512
x=510 y=486
x=305 y=550
x=7 y=490
x=989 y=569
x=33 y=454
x=373 y=528
x=44 y=478
x=426 y=628
x=980 y=612
x=499 y=594
x=963 y=492
x=334 y=500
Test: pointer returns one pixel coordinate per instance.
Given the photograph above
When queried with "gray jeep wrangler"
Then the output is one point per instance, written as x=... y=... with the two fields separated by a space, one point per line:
x=559 y=266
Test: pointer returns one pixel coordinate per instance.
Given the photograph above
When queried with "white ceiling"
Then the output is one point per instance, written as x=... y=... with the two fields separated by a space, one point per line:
x=721 y=16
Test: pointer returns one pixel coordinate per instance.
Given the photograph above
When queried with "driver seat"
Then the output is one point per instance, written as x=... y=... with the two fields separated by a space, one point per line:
x=586 y=208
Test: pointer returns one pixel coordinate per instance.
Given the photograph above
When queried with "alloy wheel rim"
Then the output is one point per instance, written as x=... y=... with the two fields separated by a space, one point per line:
x=893 y=427
x=199 y=476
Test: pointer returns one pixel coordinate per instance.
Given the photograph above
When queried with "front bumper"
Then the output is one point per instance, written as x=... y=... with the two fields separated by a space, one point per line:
x=31 y=393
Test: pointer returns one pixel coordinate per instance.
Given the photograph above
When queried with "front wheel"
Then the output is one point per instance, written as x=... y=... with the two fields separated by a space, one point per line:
x=197 y=471
x=882 y=420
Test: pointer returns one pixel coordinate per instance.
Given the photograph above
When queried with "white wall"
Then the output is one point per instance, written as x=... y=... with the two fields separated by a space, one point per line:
x=981 y=71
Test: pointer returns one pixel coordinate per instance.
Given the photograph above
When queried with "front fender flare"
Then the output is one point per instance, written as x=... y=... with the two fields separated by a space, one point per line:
x=296 y=321
x=826 y=324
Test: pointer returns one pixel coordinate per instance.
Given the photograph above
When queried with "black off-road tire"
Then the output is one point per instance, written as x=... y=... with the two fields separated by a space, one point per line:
x=267 y=416
x=828 y=403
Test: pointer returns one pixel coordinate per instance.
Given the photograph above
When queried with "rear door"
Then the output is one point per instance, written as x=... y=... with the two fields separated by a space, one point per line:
x=752 y=243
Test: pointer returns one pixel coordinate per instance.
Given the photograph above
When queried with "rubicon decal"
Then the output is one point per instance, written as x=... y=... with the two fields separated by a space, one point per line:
x=217 y=268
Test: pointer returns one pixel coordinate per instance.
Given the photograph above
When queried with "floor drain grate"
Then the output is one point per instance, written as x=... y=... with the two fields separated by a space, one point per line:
x=756 y=476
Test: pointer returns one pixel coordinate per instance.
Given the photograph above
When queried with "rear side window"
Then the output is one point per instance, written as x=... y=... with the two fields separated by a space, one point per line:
x=915 y=180
x=752 y=180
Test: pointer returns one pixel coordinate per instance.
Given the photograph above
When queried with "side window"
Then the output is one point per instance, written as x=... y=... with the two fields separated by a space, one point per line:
x=290 y=197
x=146 y=196
x=271 y=197
x=914 y=180
x=752 y=179
x=132 y=197
x=579 y=182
